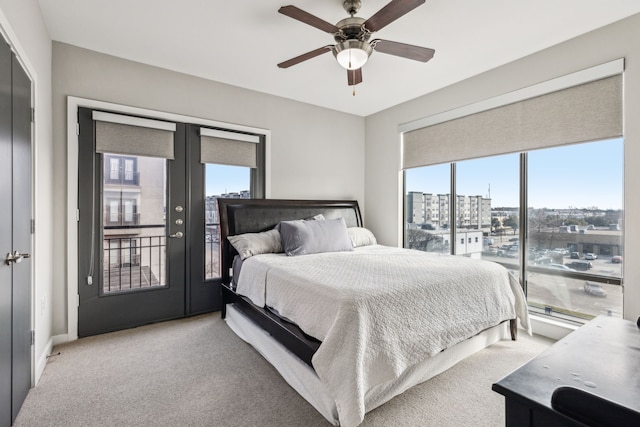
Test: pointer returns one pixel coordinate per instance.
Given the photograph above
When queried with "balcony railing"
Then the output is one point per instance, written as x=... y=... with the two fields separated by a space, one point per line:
x=133 y=263
x=123 y=178
x=212 y=250
x=122 y=219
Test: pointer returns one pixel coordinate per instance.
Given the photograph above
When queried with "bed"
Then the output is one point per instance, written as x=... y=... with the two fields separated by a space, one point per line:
x=350 y=324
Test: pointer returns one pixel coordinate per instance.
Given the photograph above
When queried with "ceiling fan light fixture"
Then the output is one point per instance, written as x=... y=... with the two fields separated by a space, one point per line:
x=352 y=54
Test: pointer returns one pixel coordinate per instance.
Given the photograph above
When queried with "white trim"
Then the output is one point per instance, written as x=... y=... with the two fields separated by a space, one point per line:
x=42 y=361
x=580 y=77
x=215 y=133
x=550 y=328
x=133 y=121
x=73 y=103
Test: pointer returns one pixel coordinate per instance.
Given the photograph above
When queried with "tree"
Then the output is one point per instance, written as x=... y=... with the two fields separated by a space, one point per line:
x=423 y=241
x=495 y=223
x=511 y=221
x=537 y=219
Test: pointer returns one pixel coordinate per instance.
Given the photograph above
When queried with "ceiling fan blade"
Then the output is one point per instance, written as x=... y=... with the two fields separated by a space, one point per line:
x=417 y=53
x=307 y=18
x=392 y=11
x=304 y=57
x=354 y=77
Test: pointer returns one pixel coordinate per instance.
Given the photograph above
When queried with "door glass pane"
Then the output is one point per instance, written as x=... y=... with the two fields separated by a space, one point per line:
x=427 y=208
x=227 y=182
x=134 y=255
x=128 y=169
x=114 y=168
x=487 y=209
x=575 y=226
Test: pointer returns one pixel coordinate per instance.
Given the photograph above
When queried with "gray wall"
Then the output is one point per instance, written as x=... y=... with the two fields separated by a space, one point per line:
x=315 y=152
x=383 y=193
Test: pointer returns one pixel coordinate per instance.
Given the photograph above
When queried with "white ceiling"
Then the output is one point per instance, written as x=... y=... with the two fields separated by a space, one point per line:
x=239 y=42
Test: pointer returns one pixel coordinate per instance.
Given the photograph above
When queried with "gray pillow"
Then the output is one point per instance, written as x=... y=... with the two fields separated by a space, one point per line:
x=361 y=236
x=312 y=237
x=250 y=244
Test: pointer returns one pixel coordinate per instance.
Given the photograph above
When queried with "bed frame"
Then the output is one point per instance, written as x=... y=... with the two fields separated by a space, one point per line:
x=238 y=216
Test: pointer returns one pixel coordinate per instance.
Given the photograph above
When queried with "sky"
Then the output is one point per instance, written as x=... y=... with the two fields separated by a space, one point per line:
x=578 y=176
x=221 y=179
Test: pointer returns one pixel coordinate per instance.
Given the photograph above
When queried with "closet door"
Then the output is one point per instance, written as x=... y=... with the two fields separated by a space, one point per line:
x=15 y=235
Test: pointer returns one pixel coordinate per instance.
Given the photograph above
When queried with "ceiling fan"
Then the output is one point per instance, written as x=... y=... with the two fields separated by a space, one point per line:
x=353 y=48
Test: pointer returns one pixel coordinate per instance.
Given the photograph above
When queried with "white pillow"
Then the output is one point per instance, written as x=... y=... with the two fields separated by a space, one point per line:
x=250 y=244
x=361 y=236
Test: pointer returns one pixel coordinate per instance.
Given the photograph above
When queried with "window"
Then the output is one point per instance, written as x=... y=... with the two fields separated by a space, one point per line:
x=221 y=181
x=427 y=209
x=573 y=262
x=543 y=123
x=121 y=170
x=574 y=217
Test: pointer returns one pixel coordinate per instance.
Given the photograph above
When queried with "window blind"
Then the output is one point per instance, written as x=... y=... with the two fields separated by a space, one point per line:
x=228 y=148
x=121 y=134
x=586 y=112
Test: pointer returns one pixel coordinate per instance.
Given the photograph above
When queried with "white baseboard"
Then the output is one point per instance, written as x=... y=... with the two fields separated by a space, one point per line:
x=42 y=359
x=42 y=362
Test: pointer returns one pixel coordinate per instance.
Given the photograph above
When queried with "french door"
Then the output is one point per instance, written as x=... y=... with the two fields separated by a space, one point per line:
x=133 y=214
x=15 y=235
x=148 y=232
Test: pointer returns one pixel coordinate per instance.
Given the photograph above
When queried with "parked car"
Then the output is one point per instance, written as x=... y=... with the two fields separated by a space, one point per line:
x=590 y=256
x=580 y=265
x=543 y=261
x=616 y=259
x=560 y=267
x=575 y=255
x=594 y=289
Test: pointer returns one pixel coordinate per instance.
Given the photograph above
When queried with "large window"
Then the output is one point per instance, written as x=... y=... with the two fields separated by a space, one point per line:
x=575 y=226
x=572 y=237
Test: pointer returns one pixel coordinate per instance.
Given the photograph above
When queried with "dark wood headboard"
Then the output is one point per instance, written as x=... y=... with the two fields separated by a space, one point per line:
x=239 y=216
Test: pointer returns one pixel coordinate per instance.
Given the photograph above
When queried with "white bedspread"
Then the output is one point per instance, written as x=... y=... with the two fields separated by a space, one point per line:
x=380 y=310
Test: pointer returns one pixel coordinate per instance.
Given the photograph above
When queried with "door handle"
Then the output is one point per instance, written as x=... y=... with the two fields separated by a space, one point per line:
x=178 y=235
x=15 y=257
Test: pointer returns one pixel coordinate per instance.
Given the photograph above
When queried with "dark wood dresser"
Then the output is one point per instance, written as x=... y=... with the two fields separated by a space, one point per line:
x=594 y=372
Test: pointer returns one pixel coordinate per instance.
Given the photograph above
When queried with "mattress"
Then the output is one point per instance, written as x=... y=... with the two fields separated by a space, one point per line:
x=380 y=311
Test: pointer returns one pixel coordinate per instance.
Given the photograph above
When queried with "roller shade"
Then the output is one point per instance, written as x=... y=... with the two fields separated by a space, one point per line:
x=228 y=148
x=587 y=112
x=121 y=134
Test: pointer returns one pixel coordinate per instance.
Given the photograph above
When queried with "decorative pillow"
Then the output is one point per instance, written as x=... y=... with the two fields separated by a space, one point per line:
x=250 y=244
x=361 y=236
x=311 y=237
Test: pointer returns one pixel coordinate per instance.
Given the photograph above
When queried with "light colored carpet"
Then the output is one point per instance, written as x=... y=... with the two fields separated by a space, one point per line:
x=197 y=372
